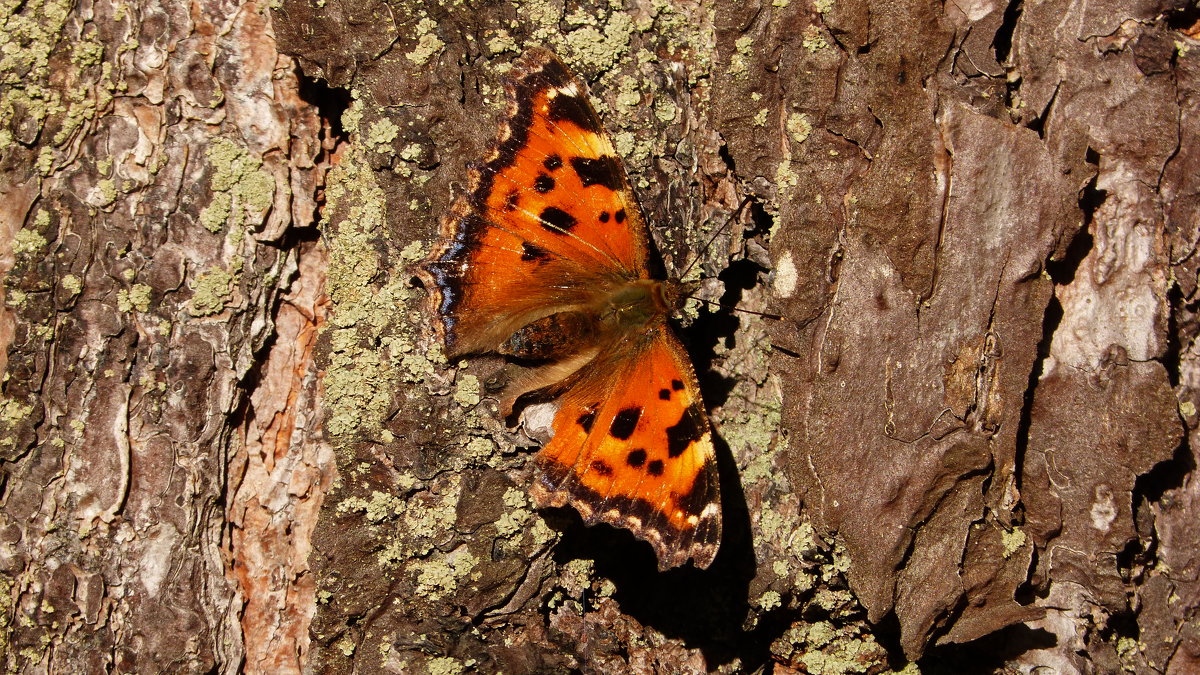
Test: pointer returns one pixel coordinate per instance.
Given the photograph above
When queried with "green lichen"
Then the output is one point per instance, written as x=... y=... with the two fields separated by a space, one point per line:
x=439 y=577
x=743 y=48
x=352 y=116
x=137 y=297
x=106 y=192
x=381 y=134
x=428 y=43
x=213 y=216
x=29 y=34
x=822 y=648
x=379 y=507
x=628 y=93
x=543 y=534
x=769 y=601
x=364 y=346
x=345 y=646
x=445 y=665
x=28 y=241
x=592 y=48
x=414 y=251
x=501 y=41
x=13 y=412
x=751 y=430
x=760 y=118
x=1013 y=540
x=210 y=292
x=543 y=16
x=813 y=40
x=577 y=576
x=1127 y=650
x=410 y=152
x=241 y=187
x=665 y=110
x=635 y=149
x=71 y=284
x=422 y=518
x=785 y=177
x=799 y=126
x=516 y=515
x=823 y=6
x=1187 y=408
x=466 y=392
x=45 y=161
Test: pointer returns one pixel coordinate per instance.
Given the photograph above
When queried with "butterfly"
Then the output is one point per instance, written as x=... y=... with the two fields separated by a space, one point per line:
x=545 y=260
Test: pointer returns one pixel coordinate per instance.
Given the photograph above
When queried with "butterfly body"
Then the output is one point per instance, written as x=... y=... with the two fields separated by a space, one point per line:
x=545 y=261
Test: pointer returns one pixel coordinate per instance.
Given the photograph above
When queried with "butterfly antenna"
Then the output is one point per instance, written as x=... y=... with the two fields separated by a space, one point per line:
x=765 y=315
x=713 y=238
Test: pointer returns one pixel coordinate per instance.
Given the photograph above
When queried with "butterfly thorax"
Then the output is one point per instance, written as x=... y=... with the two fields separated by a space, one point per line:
x=634 y=305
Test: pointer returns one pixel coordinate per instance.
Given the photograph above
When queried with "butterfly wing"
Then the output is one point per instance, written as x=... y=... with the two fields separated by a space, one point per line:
x=549 y=221
x=632 y=448
x=547 y=233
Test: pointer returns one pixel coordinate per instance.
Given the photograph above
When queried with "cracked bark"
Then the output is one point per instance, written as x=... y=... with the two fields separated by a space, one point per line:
x=969 y=441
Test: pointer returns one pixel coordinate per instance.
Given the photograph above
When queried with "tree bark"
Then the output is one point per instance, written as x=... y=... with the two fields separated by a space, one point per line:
x=962 y=435
x=161 y=468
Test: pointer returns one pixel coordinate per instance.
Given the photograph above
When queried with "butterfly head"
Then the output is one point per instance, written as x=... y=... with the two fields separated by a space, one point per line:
x=676 y=294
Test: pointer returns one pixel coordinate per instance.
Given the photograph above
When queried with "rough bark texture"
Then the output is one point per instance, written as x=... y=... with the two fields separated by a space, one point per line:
x=969 y=441
x=160 y=472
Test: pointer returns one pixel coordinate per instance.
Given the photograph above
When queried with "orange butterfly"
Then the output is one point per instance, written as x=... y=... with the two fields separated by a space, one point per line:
x=545 y=260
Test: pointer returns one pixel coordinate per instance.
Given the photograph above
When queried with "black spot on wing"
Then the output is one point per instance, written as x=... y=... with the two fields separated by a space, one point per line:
x=604 y=216
x=620 y=215
x=655 y=467
x=625 y=422
x=587 y=419
x=677 y=385
x=689 y=429
x=543 y=183
x=573 y=109
x=531 y=252
x=556 y=220
x=552 y=162
x=602 y=468
x=704 y=491
x=664 y=394
x=554 y=74
x=511 y=200
x=636 y=458
x=603 y=171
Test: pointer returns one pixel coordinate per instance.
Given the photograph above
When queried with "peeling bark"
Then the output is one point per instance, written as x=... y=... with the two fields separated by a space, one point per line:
x=160 y=176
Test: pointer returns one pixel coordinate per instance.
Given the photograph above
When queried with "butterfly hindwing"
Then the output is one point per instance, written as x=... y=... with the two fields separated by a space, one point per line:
x=632 y=448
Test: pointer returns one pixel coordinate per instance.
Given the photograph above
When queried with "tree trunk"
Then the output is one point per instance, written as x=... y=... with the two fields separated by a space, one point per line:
x=231 y=442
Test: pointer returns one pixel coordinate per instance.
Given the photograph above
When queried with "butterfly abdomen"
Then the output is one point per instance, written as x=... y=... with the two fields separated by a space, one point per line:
x=552 y=337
